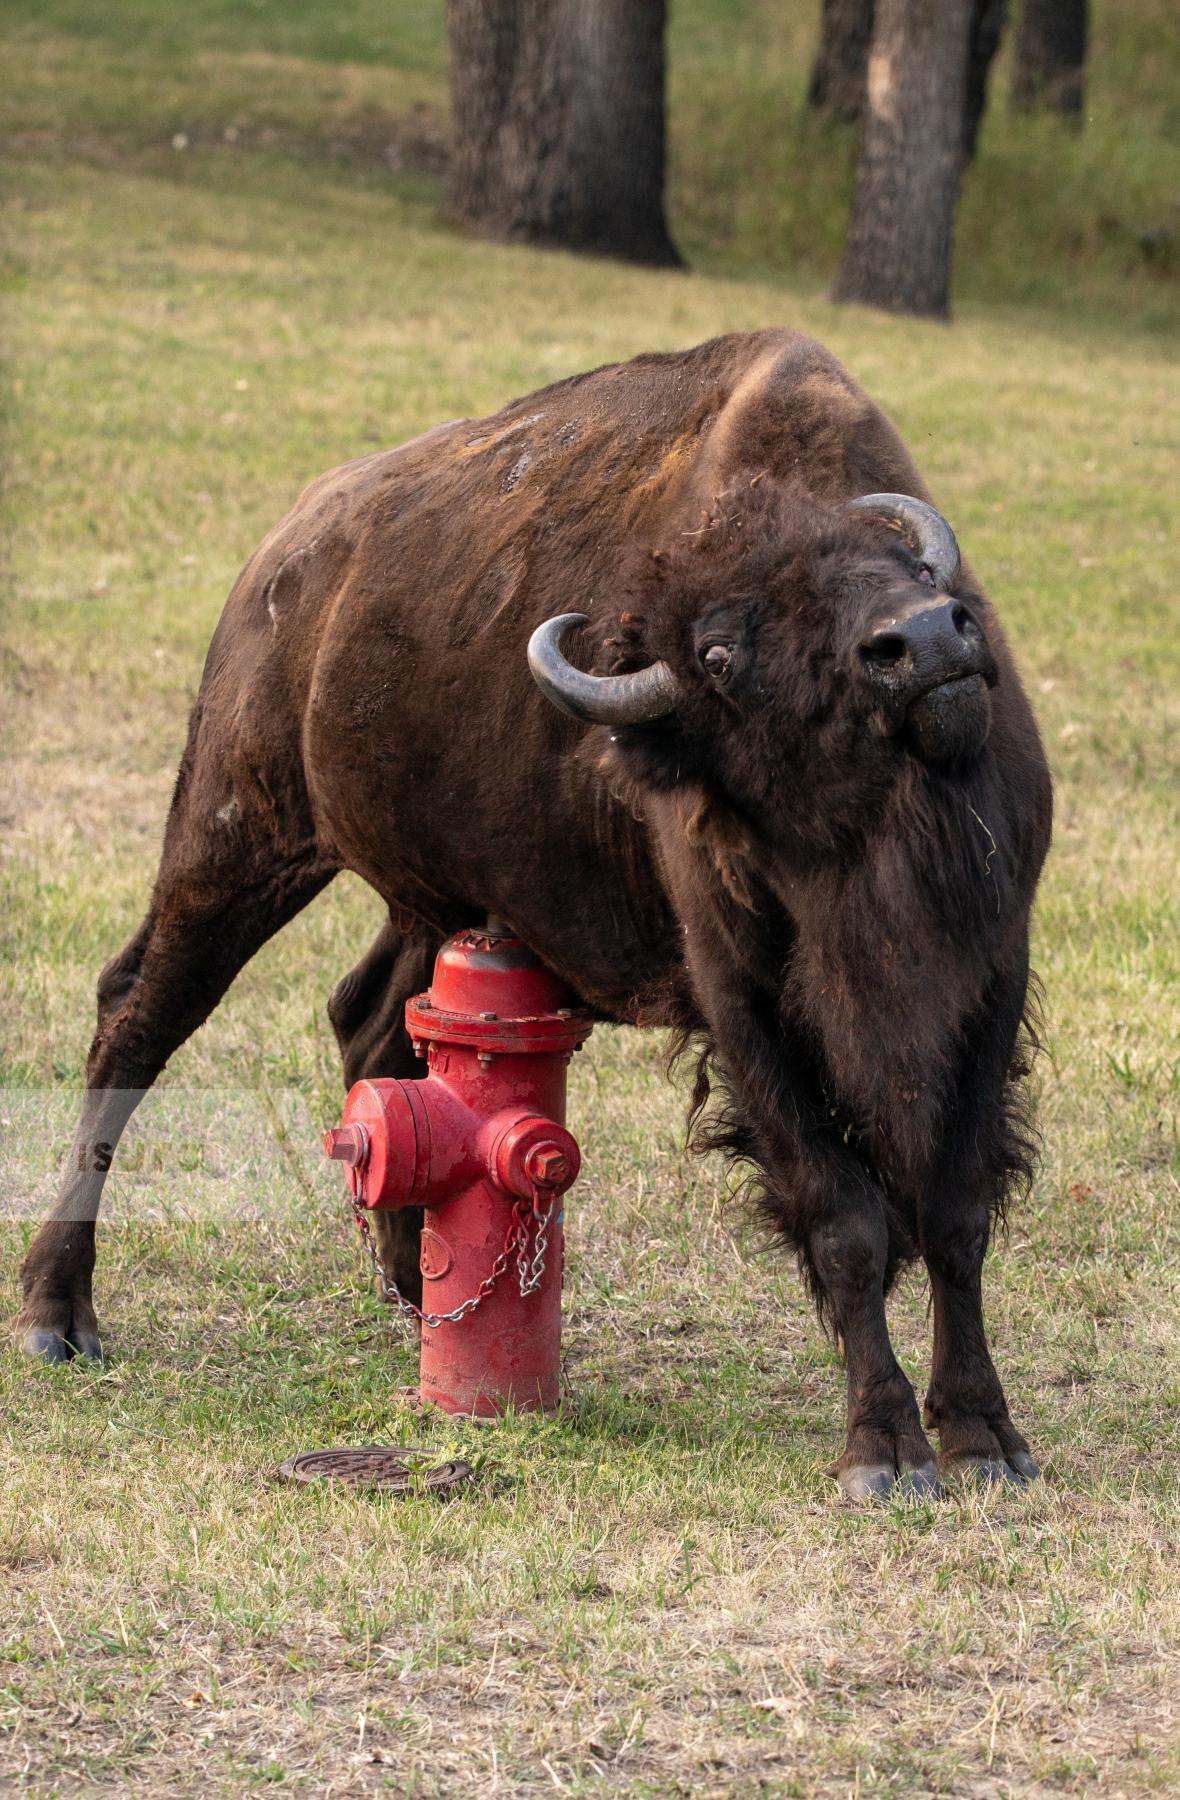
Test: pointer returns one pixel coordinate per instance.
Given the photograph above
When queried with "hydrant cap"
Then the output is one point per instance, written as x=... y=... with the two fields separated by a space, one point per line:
x=389 y=1124
x=480 y=973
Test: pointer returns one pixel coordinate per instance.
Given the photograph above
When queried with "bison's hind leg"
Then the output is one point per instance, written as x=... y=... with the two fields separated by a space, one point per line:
x=367 y=1007
x=226 y=884
x=368 y=1014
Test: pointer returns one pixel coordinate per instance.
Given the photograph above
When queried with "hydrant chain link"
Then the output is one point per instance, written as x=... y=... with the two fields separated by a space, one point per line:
x=529 y=1274
x=516 y=1238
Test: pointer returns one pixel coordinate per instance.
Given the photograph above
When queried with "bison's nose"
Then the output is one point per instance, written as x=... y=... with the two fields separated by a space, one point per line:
x=919 y=646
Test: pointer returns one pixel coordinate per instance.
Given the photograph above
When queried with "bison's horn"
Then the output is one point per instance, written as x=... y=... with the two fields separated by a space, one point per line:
x=602 y=699
x=937 y=548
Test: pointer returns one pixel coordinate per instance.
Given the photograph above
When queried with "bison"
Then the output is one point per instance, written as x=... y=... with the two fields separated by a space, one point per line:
x=771 y=782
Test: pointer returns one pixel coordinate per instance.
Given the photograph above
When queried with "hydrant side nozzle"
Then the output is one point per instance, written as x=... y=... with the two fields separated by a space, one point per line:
x=535 y=1152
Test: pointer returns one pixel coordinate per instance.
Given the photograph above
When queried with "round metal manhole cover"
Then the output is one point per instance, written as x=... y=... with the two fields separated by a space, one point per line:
x=394 y=1469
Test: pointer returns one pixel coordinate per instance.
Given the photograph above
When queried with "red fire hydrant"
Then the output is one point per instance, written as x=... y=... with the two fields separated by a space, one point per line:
x=480 y=1143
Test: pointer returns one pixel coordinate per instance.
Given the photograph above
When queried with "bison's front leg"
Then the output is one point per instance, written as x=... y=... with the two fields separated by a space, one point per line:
x=828 y=1207
x=965 y=1402
x=987 y=1148
x=821 y=1197
x=886 y=1446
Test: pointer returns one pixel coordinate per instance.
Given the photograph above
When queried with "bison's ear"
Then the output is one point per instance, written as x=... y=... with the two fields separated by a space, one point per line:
x=717 y=834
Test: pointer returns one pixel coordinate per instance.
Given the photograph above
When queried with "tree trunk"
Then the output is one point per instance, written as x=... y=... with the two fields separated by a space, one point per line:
x=898 y=250
x=559 y=123
x=837 y=84
x=840 y=70
x=988 y=18
x=1049 y=64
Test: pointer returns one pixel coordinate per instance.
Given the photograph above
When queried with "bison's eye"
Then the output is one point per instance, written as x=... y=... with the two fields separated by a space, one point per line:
x=717 y=662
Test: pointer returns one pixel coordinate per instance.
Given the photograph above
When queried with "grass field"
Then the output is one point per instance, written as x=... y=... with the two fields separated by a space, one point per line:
x=655 y=1593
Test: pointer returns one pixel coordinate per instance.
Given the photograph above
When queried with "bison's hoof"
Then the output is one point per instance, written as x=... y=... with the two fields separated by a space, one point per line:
x=86 y=1345
x=52 y=1347
x=867 y=1481
x=993 y=1471
x=921 y=1483
x=881 y=1481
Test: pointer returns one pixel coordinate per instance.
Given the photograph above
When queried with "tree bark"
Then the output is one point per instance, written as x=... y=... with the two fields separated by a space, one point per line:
x=898 y=250
x=559 y=123
x=1049 y=64
x=837 y=84
x=840 y=70
x=988 y=18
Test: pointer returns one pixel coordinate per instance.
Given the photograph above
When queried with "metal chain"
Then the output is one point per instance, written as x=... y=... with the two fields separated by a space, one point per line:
x=530 y=1282
x=530 y=1273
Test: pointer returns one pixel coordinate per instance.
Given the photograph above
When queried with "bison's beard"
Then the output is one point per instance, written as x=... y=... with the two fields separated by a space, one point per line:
x=897 y=952
x=950 y=724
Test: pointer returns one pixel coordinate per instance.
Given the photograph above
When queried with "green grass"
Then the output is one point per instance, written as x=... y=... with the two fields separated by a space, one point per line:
x=656 y=1593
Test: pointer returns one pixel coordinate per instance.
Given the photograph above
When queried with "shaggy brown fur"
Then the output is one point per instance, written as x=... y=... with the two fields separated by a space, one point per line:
x=838 y=922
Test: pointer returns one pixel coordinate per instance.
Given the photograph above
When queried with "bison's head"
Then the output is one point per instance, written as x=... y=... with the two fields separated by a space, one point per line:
x=785 y=644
